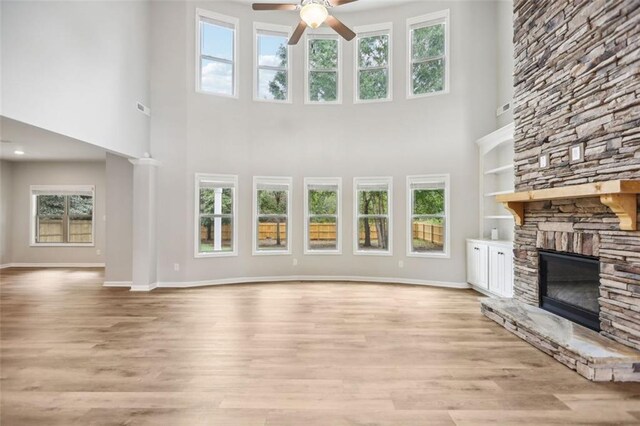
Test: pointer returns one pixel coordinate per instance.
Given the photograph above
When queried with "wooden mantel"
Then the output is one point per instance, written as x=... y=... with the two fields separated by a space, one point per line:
x=619 y=195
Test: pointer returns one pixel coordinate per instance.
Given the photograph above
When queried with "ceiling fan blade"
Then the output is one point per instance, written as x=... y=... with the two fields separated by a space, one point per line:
x=274 y=6
x=340 y=28
x=336 y=3
x=295 y=37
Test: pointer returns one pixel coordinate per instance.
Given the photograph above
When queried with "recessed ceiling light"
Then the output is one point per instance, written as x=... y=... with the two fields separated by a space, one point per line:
x=18 y=152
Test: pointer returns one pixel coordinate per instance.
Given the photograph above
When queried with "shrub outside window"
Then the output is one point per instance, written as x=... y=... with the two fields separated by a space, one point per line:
x=323 y=209
x=373 y=72
x=373 y=216
x=323 y=76
x=428 y=216
x=272 y=221
x=428 y=62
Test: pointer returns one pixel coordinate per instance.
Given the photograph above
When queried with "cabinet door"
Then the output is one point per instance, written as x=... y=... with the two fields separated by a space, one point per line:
x=482 y=253
x=495 y=270
x=507 y=284
x=471 y=264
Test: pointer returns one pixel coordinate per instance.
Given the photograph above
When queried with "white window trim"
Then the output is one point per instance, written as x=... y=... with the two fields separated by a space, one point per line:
x=278 y=181
x=329 y=182
x=235 y=22
x=372 y=180
x=429 y=19
x=232 y=179
x=365 y=31
x=260 y=26
x=322 y=33
x=439 y=178
x=62 y=188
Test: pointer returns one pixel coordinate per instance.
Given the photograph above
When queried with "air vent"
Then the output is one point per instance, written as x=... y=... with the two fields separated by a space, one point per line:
x=503 y=108
x=143 y=109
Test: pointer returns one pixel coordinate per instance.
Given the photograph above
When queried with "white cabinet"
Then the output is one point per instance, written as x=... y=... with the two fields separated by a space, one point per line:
x=490 y=266
x=477 y=264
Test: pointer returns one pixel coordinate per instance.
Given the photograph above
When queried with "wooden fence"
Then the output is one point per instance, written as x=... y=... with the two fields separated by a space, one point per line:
x=52 y=231
x=427 y=232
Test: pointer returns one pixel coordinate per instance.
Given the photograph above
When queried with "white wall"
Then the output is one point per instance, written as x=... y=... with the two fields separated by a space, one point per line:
x=6 y=183
x=77 y=68
x=25 y=174
x=119 y=225
x=200 y=133
x=505 y=59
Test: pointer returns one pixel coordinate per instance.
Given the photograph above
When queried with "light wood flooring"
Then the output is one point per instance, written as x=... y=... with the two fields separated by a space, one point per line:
x=277 y=354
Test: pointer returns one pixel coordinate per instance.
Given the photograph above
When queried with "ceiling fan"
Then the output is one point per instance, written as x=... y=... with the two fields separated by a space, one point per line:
x=313 y=13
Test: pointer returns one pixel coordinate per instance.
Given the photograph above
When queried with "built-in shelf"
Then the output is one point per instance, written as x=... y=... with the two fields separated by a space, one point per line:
x=621 y=196
x=501 y=169
x=494 y=194
x=500 y=217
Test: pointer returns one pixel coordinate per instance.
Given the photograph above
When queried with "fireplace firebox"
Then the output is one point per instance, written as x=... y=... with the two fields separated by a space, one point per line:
x=569 y=287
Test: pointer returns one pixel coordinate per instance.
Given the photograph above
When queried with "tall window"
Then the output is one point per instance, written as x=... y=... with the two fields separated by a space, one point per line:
x=323 y=82
x=373 y=204
x=272 y=65
x=428 y=215
x=322 y=208
x=272 y=223
x=62 y=215
x=428 y=55
x=373 y=74
x=217 y=54
x=216 y=215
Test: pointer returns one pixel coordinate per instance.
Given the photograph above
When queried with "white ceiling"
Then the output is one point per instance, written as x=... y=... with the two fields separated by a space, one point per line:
x=351 y=7
x=41 y=145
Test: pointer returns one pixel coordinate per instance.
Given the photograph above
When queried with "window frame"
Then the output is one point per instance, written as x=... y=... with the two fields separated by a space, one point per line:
x=259 y=27
x=430 y=178
x=322 y=34
x=336 y=182
x=368 y=31
x=224 y=179
x=223 y=19
x=274 y=180
x=430 y=19
x=356 y=205
x=68 y=189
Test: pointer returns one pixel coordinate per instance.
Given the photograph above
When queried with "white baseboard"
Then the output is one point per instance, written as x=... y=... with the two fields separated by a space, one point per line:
x=312 y=278
x=53 y=265
x=6 y=265
x=117 y=284
x=144 y=288
x=482 y=290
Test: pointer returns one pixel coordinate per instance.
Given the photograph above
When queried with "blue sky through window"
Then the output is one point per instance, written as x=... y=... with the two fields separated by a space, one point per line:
x=217 y=41
x=268 y=46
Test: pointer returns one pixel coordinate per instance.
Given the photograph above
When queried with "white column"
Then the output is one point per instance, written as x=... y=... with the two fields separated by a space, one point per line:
x=217 y=222
x=144 y=224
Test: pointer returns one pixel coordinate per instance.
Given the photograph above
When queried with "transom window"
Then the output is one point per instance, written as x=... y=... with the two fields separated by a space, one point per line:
x=323 y=227
x=216 y=210
x=428 y=61
x=62 y=215
x=428 y=215
x=373 y=63
x=323 y=83
x=272 y=222
x=373 y=205
x=217 y=54
x=272 y=67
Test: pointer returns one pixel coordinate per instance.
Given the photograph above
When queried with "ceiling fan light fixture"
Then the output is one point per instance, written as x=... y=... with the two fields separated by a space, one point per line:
x=314 y=14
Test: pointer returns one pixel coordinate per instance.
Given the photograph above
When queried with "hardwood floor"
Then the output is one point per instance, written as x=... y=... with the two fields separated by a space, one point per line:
x=280 y=354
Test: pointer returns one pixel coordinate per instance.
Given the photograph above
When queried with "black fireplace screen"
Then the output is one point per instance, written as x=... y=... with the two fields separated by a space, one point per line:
x=569 y=287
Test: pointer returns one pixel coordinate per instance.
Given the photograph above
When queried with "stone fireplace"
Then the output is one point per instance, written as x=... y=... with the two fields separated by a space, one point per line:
x=577 y=84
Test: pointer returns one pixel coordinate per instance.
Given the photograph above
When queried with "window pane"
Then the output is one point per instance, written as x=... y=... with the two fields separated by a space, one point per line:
x=428 y=42
x=427 y=234
x=428 y=77
x=373 y=84
x=80 y=219
x=373 y=202
x=323 y=86
x=272 y=233
x=373 y=234
x=217 y=77
x=428 y=201
x=51 y=206
x=323 y=202
x=272 y=202
x=373 y=51
x=49 y=220
x=323 y=54
x=272 y=85
x=216 y=200
x=80 y=205
x=323 y=233
x=217 y=41
x=216 y=234
x=272 y=50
